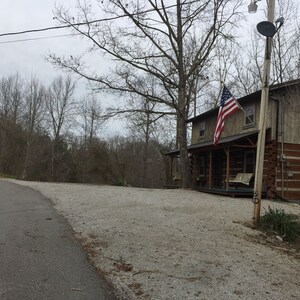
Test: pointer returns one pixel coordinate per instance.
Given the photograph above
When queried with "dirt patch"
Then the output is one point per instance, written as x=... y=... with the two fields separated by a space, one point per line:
x=274 y=241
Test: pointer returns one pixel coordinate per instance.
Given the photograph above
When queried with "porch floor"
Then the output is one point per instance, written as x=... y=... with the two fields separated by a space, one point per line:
x=232 y=192
x=172 y=186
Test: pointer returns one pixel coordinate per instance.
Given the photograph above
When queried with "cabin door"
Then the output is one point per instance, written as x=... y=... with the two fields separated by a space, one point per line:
x=217 y=169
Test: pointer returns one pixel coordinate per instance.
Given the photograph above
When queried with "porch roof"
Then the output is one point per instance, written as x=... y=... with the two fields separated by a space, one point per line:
x=225 y=140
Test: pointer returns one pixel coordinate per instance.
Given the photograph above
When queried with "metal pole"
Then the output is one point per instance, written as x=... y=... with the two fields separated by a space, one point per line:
x=262 y=125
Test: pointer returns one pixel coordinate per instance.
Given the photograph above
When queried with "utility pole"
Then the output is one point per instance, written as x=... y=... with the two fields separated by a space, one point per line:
x=262 y=125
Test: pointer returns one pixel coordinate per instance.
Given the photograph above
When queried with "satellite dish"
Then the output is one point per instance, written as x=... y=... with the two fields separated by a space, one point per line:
x=266 y=28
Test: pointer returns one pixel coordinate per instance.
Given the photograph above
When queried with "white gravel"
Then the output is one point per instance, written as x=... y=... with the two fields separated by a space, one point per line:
x=175 y=244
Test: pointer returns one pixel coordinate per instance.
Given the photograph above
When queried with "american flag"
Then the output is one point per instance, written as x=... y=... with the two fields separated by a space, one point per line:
x=228 y=106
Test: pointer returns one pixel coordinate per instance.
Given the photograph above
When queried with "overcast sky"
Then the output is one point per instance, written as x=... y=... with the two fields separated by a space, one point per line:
x=27 y=57
x=26 y=53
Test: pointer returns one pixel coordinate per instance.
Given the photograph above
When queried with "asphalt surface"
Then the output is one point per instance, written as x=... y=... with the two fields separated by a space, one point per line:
x=39 y=257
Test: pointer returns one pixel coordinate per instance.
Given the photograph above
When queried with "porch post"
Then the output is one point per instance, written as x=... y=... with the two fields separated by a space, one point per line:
x=171 y=179
x=210 y=170
x=227 y=167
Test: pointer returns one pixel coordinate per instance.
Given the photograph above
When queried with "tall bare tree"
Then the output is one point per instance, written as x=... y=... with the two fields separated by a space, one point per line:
x=286 y=45
x=60 y=106
x=33 y=113
x=285 y=52
x=91 y=121
x=248 y=65
x=169 y=41
x=11 y=139
x=90 y=116
x=11 y=97
x=221 y=71
x=142 y=125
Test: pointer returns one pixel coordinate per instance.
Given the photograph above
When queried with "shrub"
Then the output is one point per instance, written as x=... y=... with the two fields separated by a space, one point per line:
x=2 y=175
x=285 y=224
x=119 y=182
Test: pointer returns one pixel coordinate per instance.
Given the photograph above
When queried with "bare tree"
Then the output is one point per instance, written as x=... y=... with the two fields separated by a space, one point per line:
x=247 y=65
x=221 y=71
x=90 y=119
x=34 y=109
x=11 y=97
x=60 y=106
x=171 y=42
x=286 y=45
x=285 y=53
x=142 y=126
x=90 y=116
x=11 y=138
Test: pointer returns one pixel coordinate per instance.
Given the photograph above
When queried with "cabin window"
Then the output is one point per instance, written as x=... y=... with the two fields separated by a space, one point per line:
x=249 y=161
x=201 y=166
x=249 y=115
x=202 y=130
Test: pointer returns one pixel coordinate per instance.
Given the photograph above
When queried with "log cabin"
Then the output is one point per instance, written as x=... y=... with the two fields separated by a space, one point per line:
x=215 y=167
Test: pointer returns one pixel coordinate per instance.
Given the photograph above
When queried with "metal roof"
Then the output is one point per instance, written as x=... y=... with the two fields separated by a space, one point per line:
x=247 y=97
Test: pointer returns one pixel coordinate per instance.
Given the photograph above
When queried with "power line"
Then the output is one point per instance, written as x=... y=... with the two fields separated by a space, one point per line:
x=53 y=27
x=91 y=22
x=39 y=38
x=76 y=24
x=86 y=23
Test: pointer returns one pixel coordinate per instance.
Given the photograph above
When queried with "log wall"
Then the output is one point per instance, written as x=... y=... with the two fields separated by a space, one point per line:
x=288 y=171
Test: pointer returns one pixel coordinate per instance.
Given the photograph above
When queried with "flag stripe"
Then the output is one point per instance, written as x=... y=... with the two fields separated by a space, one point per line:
x=228 y=105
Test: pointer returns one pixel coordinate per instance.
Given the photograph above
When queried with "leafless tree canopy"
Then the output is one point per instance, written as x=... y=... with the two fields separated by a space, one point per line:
x=246 y=74
x=172 y=42
x=45 y=134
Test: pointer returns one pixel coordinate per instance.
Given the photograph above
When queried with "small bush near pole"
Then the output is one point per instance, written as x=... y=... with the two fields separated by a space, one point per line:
x=285 y=224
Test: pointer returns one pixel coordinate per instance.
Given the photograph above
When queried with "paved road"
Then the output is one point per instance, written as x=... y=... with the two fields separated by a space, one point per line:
x=39 y=258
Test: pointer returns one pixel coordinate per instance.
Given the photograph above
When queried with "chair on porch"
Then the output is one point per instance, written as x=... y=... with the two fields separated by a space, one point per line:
x=241 y=178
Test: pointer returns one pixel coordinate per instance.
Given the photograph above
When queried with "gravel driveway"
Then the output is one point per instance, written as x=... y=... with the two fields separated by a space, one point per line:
x=176 y=244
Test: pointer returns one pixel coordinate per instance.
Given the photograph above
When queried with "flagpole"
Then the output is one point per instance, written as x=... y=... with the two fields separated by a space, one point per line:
x=242 y=109
x=262 y=125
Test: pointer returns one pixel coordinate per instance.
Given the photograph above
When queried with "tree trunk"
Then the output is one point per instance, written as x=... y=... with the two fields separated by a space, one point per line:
x=184 y=160
x=182 y=105
x=145 y=154
x=53 y=150
x=27 y=158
